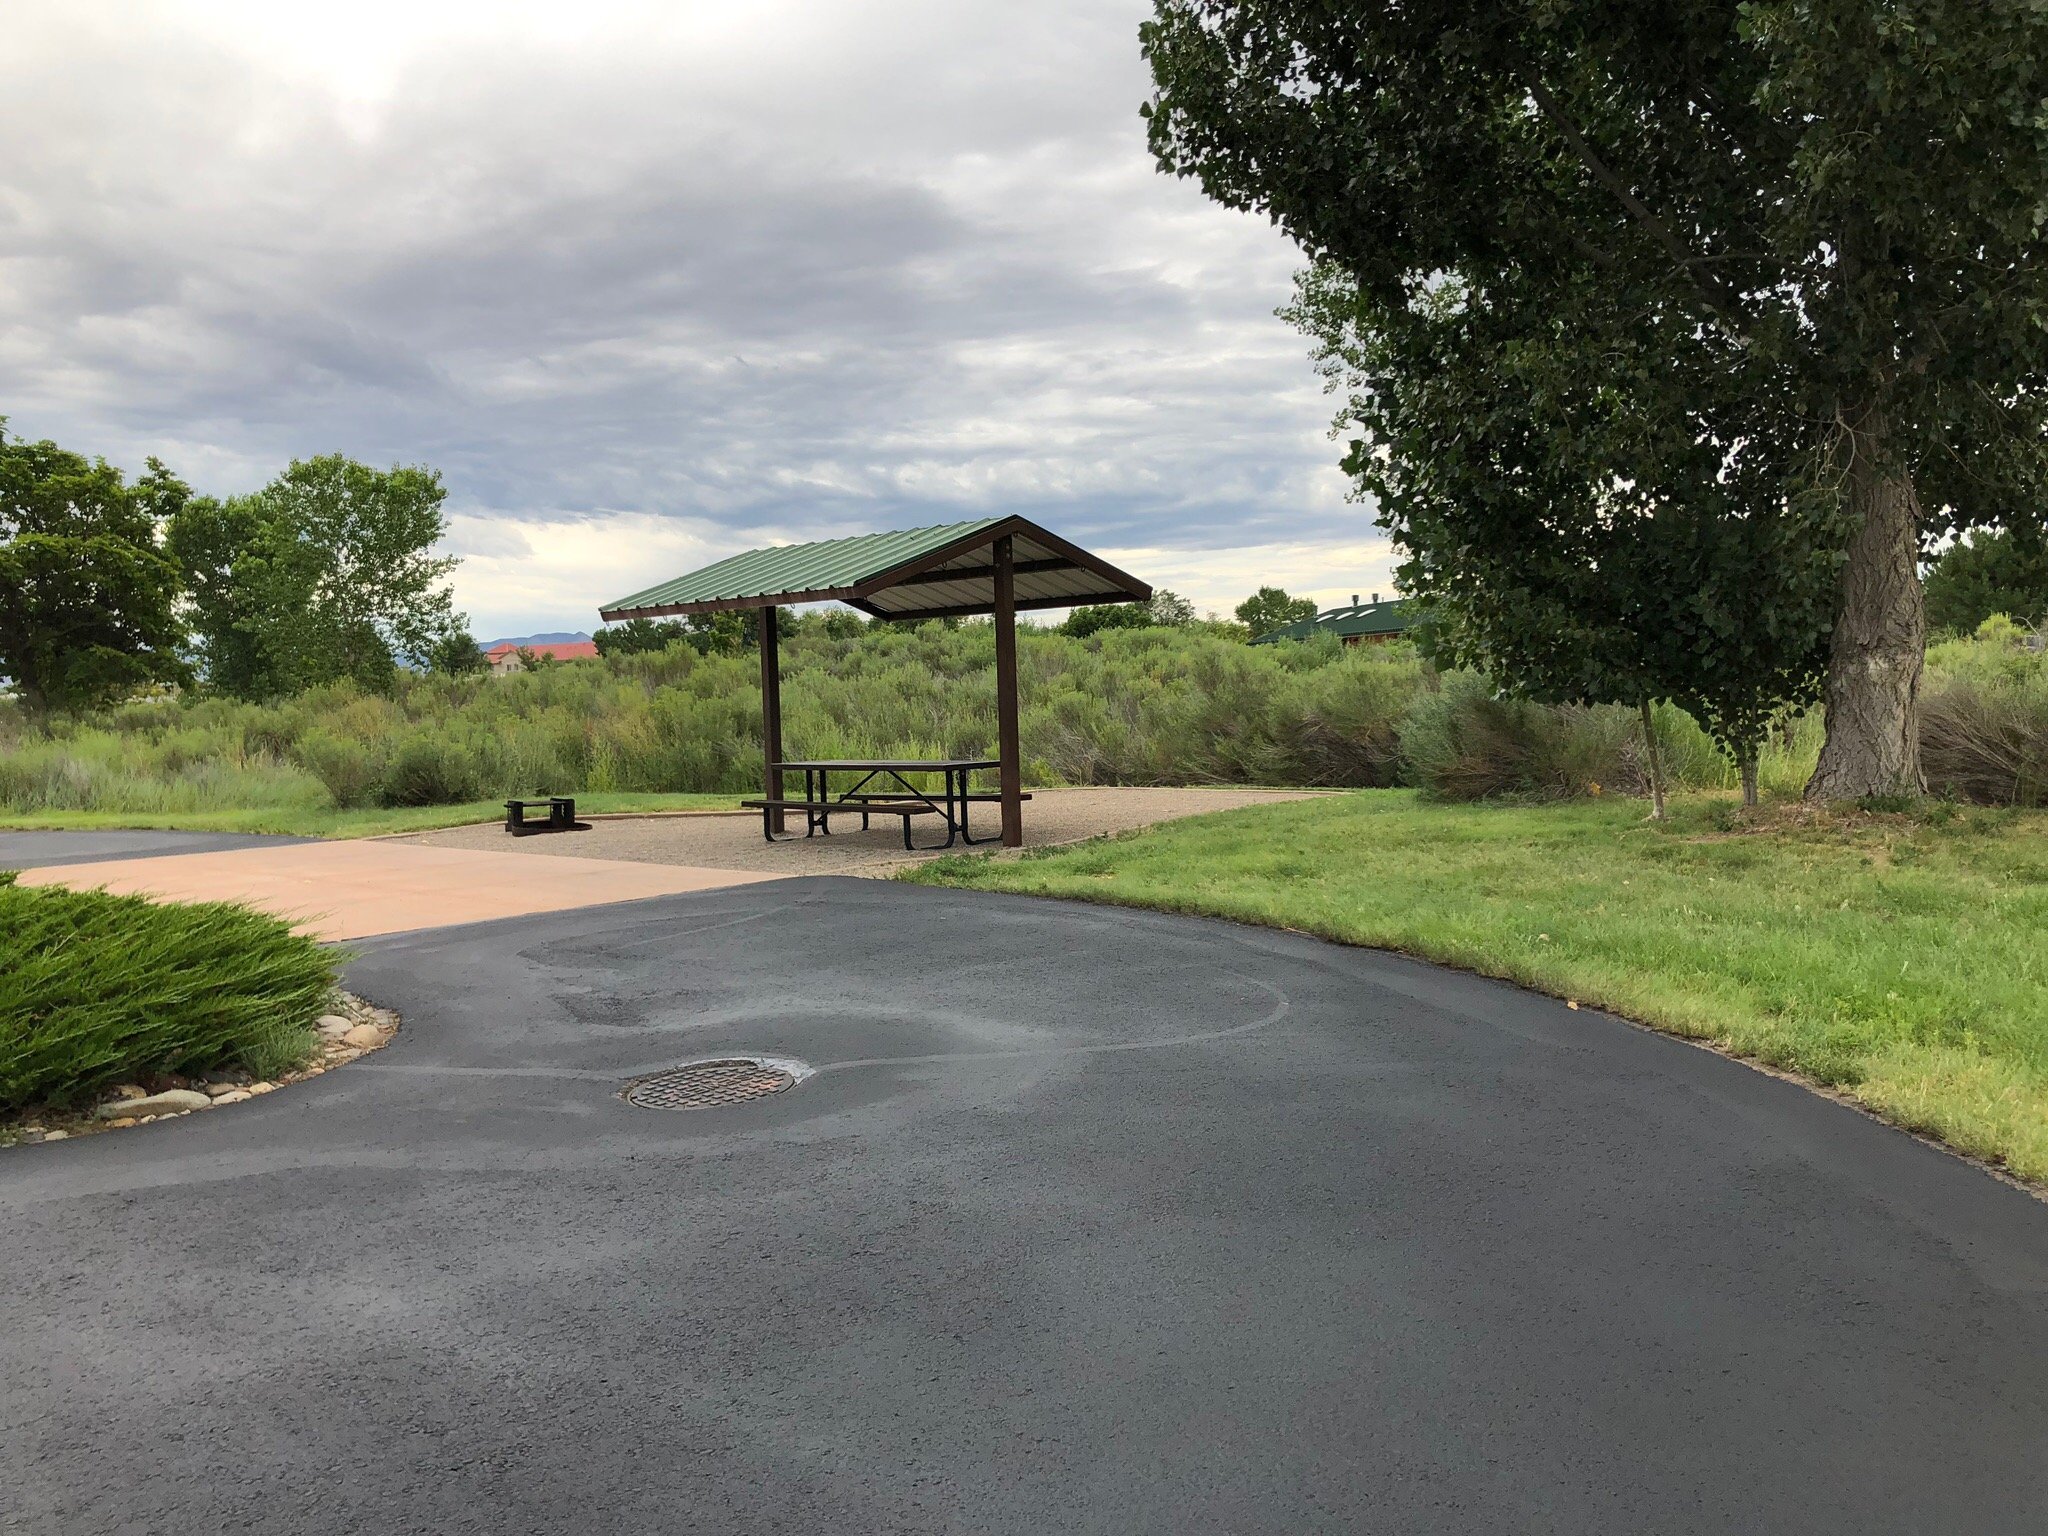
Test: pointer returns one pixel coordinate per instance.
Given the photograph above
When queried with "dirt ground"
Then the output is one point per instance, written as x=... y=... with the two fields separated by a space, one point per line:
x=734 y=841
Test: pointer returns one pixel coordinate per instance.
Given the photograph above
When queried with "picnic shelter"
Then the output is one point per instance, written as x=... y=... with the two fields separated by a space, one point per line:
x=998 y=566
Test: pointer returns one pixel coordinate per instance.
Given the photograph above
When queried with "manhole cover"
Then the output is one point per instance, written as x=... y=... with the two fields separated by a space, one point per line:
x=710 y=1084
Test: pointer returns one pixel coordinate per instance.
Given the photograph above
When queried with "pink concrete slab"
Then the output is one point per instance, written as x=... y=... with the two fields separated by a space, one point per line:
x=353 y=890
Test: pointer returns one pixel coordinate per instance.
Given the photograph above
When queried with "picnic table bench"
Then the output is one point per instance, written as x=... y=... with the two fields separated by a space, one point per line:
x=900 y=797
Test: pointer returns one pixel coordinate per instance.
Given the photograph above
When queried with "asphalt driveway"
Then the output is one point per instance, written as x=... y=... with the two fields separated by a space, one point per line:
x=1089 y=1221
x=43 y=850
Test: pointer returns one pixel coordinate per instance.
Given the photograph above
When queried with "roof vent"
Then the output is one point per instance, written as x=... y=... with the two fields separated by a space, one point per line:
x=1354 y=599
x=1375 y=597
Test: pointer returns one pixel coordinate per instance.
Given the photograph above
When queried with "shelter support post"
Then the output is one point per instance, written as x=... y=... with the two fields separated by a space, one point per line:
x=1009 y=773
x=771 y=714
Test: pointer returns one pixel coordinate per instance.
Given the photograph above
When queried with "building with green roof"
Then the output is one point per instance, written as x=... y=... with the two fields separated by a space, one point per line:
x=1370 y=623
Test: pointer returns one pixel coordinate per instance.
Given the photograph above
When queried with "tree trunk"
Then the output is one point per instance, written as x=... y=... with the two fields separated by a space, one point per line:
x=1749 y=795
x=1874 y=659
x=1656 y=763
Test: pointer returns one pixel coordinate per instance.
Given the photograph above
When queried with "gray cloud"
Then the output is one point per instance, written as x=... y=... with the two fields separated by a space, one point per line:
x=850 y=264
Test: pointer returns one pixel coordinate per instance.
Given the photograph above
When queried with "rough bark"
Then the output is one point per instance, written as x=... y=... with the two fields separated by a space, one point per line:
x=1874 y=659
x=1749 y=794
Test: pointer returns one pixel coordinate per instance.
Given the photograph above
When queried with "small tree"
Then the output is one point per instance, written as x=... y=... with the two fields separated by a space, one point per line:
x=1169 y=610
x=455 y=652
x=728 y=633
x=1269 y=608
x=1650 y=562
x=87 y=598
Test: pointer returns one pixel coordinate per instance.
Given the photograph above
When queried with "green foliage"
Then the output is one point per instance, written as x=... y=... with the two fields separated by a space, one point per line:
x=455 y=652
x=1166 y=610
x=724 y=634
x=638 y=635
x=1986 y=573
x=1595 y=555
x=1140 y=706
x=97 y=988
x=87 y=600
x=1672 y=261
x=1093 y=618
x=1269 y=608
x=326 y=573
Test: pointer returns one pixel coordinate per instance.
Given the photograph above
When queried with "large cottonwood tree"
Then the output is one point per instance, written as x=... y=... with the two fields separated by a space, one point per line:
x=1833 y=208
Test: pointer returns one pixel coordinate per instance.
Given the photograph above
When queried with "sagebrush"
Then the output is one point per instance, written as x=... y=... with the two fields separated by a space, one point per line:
x=1136 y=706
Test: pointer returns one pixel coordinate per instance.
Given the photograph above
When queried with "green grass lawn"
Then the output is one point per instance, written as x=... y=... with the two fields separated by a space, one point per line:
x=325 y=821
x=1901 y=959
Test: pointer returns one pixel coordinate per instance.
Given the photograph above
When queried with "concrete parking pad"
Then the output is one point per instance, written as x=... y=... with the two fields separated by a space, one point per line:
x=352 y=890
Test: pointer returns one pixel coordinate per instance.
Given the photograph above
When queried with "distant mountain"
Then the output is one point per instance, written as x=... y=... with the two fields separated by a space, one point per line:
x=562 y=638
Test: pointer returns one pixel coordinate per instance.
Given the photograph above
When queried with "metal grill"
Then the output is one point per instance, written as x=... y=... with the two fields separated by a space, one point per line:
x=708 y=1085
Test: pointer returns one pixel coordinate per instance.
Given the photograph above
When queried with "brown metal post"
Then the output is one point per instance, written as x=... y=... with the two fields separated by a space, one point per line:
x=1010 y=773
x=771 y=713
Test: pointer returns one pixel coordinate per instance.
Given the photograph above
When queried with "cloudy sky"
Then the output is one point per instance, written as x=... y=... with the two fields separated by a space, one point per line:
x=651 y=283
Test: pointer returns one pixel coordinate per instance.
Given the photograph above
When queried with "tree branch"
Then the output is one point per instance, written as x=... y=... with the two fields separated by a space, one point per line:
x=1718 y=298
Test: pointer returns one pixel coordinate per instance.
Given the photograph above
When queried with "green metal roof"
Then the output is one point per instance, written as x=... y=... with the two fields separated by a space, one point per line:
x=1354 y=621
x=913 y=573
x=827 y=568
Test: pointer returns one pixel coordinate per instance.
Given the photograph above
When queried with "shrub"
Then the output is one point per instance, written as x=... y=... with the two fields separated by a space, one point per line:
x=1984 y=718
x=1466 y=741
x=1343 y=722
x=1989 y=745
x=95 y=989
x=1154 y=705
x=350 y=769
x=430 y=769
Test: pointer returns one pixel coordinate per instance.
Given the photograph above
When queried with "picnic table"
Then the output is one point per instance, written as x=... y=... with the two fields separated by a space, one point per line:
x=894 y=796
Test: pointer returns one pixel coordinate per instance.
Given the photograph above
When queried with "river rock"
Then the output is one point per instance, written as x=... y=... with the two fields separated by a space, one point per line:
x=170 y=1102
x=363 y=1036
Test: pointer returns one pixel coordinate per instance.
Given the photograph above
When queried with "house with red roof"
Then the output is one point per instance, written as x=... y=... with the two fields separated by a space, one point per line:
x=508 y=658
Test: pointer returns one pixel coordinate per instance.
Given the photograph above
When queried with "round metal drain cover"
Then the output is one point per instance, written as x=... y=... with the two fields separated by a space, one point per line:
x=710 y=1084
